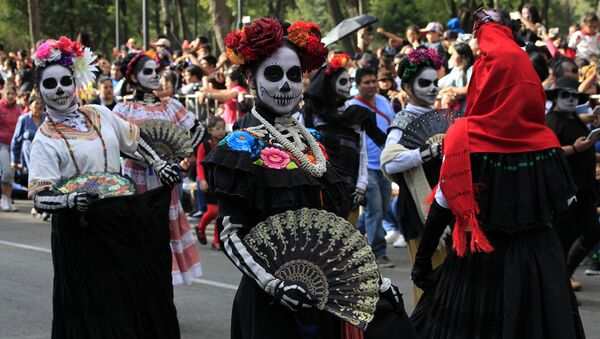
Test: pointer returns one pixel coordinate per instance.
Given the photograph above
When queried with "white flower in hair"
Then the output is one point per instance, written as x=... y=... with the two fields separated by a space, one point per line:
x=83 y=68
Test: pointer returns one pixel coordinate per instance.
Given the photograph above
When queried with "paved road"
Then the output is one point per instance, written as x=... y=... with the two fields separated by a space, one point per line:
x=204 y=307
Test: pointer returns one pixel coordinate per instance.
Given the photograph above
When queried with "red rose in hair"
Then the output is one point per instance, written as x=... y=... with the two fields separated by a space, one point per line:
x=65 y=45
x=314 y=55
x=262 y=38
x=233 y=40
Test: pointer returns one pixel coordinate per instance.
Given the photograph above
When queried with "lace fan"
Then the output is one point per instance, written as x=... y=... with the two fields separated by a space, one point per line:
x=325 y=253
x=169 y=141
x=104 y=184
x=428 y=126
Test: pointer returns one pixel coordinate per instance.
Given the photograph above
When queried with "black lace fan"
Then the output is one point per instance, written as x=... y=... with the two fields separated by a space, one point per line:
x=428 y=128
x=168 y=140
x=325 y=253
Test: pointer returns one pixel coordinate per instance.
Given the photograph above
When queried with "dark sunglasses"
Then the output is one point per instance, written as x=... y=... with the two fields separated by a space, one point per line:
x=51 y=83
x=568 y=95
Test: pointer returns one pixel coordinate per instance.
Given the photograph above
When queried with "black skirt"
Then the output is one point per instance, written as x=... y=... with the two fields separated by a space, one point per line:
x=257 y=315
x=112 y=270
x=520 y=290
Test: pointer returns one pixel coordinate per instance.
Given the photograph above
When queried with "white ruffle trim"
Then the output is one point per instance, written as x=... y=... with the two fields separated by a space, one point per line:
x=186 y=277
x=174 y=211
x=187 y=240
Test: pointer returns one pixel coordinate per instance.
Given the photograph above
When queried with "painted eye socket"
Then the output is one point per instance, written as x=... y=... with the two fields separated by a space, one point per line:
x=343 y=81
x=295 y=74
x=66 y=81
x=273 y=73
x=148 y=71
x=427 y=83
x=50 y=83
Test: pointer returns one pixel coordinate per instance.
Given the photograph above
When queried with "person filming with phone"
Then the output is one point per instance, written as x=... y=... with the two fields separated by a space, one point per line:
x=578 y=229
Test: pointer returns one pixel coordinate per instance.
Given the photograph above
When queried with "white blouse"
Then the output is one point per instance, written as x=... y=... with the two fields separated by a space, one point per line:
x=50 y=157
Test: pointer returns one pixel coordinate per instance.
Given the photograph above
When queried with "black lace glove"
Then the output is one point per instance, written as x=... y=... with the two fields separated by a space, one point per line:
x=168 y=174
x=437 y=220
x=293 y=295
x=391 y=293
x=358 y=198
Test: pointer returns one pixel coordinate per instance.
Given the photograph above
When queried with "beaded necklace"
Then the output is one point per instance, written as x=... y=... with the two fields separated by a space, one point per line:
x=70 y=148
x=316 y=170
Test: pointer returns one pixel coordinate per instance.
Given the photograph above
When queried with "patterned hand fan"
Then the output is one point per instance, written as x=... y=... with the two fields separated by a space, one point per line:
x=428 y=126
x=104 y=184
x=325 y=253
x=168 y=140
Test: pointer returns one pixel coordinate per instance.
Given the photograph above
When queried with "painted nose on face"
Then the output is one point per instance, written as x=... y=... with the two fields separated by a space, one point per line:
x=60 y=91
x=285 y=88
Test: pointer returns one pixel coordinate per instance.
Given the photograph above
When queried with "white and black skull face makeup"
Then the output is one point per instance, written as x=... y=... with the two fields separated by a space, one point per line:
x=342 y=85
x=279 y=81
x=425 y=86
x=57 y=88
x=147 y=77
x=566 y=101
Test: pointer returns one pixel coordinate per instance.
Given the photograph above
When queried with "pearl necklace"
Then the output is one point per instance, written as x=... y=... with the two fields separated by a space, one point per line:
x=316 y=170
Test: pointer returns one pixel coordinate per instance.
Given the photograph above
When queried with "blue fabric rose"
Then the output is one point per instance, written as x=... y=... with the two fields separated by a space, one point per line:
x=314 y=133
x=240 y=141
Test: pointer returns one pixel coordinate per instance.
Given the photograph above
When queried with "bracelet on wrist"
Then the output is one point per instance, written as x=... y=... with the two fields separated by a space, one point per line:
x=574 y=149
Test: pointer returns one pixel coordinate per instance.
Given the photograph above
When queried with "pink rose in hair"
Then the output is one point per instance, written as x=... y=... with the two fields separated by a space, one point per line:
x=43 y=51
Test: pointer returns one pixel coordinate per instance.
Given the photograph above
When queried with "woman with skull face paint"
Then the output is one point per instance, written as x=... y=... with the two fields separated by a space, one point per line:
x=503 y=180
x=111 y=257
x=141 y=71
x=341 y=129
x=271 y=165
x=416 y=169
x=572 y=134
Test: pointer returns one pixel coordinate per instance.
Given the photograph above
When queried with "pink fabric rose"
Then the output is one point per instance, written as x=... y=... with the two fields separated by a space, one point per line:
x=274 y=158
x=43 y=51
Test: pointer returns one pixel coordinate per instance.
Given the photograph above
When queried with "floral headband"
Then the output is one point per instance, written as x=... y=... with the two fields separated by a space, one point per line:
x=421 y=57
x=263 y=37
x=337 y=62
x=69 y=54
x=149 y=53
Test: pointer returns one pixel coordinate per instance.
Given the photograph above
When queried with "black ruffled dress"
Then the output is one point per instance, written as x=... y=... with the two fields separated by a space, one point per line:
x=250 y=188
x=112 y=270
x=520 y=290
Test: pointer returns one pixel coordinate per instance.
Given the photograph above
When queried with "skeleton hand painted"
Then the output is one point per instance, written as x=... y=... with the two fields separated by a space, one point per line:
x=168 y=174
x=392 y=294
x=197 y=133
x=292 y=295
x=430 y=152
x=51 y=202
x=358 y=198
x=279 y=81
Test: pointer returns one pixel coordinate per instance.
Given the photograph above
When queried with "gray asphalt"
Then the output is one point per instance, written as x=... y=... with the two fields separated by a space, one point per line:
x=203 y=307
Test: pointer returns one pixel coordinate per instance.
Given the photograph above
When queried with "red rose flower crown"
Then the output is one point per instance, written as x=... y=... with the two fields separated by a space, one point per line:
x=264 y=36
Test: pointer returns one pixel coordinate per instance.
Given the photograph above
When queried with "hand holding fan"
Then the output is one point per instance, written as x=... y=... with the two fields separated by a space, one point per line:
x=428 y=128
x=327 y=255
x=168 y=140
x=104 y=184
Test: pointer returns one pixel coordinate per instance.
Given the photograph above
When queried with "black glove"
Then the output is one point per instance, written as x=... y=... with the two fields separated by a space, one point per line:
x=293 y=295
x=430 y=152
x=167 y=173
x=437 y=220
x=358 y=198
x=392 y=294
x=81 y=200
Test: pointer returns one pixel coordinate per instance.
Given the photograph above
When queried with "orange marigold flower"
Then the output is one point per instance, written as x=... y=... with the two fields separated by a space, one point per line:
x=234 y=57
x=298 y=37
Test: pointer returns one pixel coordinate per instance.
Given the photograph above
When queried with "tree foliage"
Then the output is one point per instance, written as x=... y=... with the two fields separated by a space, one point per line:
x=97 y=17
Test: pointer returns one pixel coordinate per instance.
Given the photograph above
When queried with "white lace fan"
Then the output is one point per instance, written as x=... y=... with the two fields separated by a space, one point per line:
x=325 y=253
x=168 y=140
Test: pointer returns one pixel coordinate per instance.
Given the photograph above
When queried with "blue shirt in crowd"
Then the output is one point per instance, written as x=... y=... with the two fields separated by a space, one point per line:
x=21 y=141
x=374 y=151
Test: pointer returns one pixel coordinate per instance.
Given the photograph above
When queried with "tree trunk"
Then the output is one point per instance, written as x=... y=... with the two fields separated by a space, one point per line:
x=124 y=20
x=185 y=30
x=157 y=16
x=337 y=16
x=34 y=21
x=221 y=15
x=164 y=5
x=598 y=9
x=545 y=8
x=451 y=8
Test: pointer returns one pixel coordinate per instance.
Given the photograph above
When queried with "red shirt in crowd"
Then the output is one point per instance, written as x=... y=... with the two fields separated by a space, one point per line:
x=9 y=114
